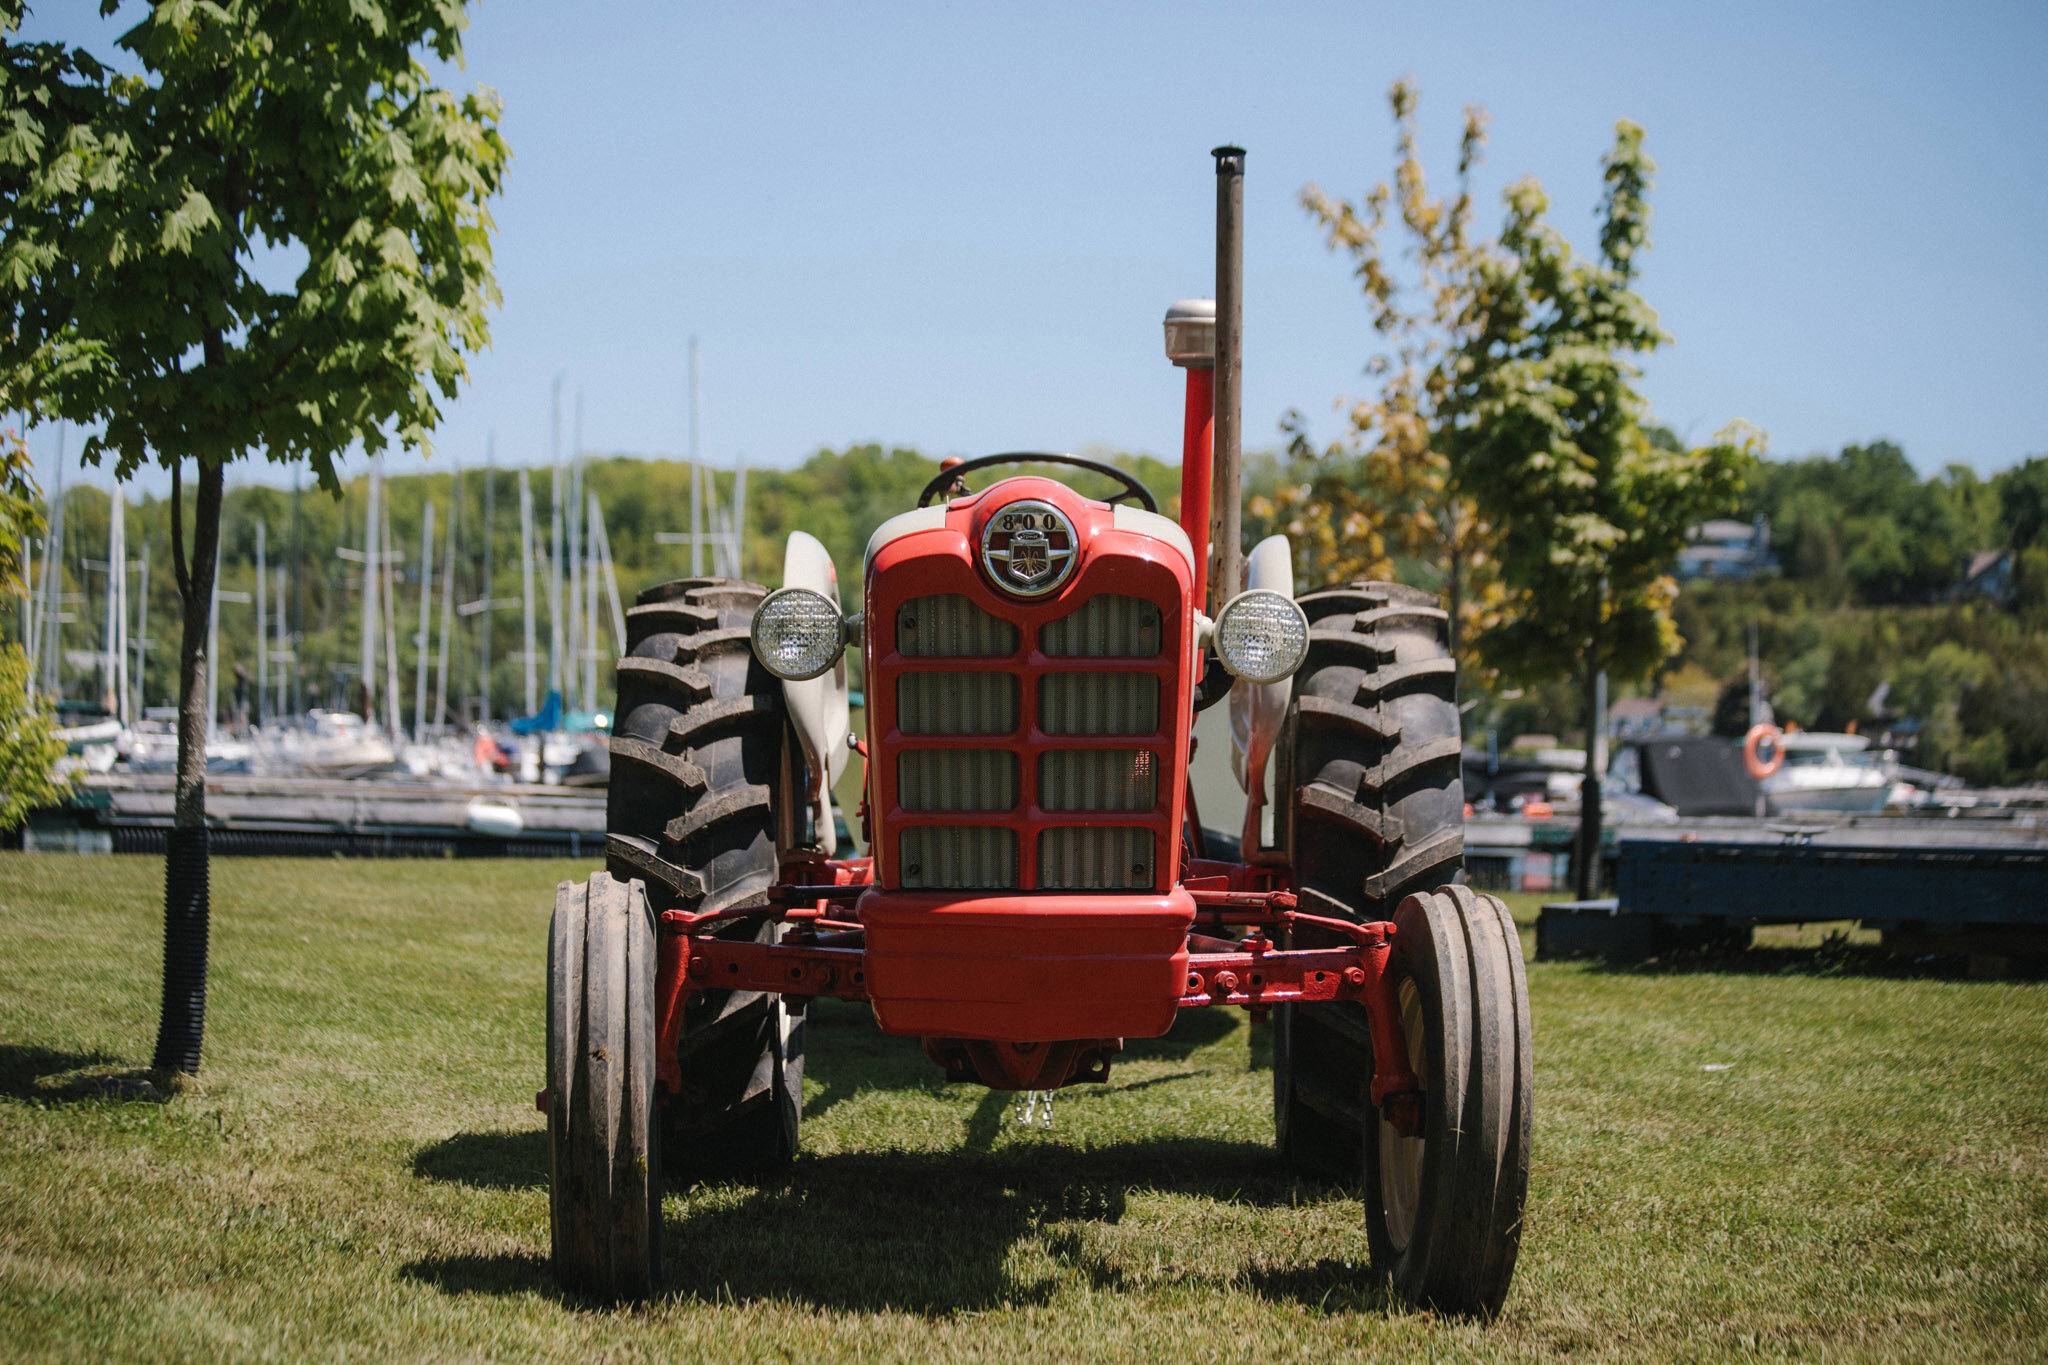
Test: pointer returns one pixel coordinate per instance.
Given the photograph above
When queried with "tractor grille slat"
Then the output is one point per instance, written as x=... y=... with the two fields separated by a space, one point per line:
x=956 y=779
x=1098 y=780
x=951 y=627
x=956 y=703
x=1098 y=703
x=959 y=858
x=1108 y=859
x=1105 y=627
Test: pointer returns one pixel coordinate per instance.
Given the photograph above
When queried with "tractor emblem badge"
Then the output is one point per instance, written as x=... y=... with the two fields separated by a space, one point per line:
x=1028 y=548
x=1030 y=556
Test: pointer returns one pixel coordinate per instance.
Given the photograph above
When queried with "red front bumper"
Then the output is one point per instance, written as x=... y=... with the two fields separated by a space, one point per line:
x=1026 y=968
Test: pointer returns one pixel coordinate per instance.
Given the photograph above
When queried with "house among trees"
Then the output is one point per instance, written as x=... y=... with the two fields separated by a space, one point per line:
x=1725 y=548
x=1988 y=574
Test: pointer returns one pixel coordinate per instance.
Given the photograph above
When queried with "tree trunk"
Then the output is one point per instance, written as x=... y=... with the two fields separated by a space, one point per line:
x=182 y=1025
x=1586 y=857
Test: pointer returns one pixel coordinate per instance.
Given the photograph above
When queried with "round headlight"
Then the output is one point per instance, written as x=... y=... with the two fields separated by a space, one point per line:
x=797 y=633
x=1261 y=636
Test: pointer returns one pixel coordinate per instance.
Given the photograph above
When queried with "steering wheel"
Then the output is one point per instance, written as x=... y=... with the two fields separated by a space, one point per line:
x=1131 y=487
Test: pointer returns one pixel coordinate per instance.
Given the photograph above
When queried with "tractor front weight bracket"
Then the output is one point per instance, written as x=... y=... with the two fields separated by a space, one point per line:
x=1251 y=972
x=821 y=952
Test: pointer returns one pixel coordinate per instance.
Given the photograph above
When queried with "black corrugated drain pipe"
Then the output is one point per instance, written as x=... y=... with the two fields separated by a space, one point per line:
x=182 y=1026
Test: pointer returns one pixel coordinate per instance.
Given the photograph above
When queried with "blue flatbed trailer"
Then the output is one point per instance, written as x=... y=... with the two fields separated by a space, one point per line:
x=1929 y=885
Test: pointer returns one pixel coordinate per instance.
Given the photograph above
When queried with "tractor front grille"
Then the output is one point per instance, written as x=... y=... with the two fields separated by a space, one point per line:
x=956 y=779
x=959 y=858
x=1107 y=858
x=1098 y=779
x=1010 y=742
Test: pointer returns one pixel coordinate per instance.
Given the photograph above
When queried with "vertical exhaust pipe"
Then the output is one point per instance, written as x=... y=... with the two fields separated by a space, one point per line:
x=1226 y=578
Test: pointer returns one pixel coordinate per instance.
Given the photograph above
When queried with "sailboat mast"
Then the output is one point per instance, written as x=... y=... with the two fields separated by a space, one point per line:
x=591 y=516
x=447 y=602
x=371 y=615
x=285 y=623
x=142 y=632
x=262 y=626
x=573 y=515
x=123 y=712
x=117 y=602
x=611 y=582
x=490 y=585
x=53 y=579
x=390 y=604
x=285 y=654
x=213 y=652
x=526 y=575
x=421 y=638
x=696 y=475
x=739 y=518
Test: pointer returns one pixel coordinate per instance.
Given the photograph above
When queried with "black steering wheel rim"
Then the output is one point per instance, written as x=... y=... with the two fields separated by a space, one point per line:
x=947 y=477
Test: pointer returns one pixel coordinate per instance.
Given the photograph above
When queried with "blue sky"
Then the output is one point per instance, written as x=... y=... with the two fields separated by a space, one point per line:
x=957 y=226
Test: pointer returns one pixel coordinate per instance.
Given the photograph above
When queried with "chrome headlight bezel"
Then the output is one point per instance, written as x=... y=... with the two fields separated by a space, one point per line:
x=1261 y=636
x=787 y=611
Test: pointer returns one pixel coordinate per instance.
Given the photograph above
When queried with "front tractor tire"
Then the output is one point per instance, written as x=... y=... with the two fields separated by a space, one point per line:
x=700 y=770
x=604 y=1158
x=1371 y=759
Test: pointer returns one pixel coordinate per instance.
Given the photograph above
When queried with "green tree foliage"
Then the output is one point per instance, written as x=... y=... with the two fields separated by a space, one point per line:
x=1589 y=508
x=1392 y=492
x=146 y=218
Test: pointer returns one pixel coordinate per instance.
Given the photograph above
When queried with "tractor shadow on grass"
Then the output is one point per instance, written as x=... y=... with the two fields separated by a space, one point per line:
x=863 y=1058
x=515 y=1159
x=931 y=1233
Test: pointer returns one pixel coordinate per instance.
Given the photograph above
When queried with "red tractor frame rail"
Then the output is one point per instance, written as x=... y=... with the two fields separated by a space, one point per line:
x=821 y=952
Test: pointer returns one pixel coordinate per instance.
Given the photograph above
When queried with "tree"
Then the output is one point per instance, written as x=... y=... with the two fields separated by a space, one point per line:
x=147 y=220
x=1544 y=422
x=28 y=751
x=1394 y=486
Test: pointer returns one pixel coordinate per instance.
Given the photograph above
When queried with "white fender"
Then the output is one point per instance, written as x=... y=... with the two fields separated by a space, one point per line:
x=818 y=708
x=1257 y=710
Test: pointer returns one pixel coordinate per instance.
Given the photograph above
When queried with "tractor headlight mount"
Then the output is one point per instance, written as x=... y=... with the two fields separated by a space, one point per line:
x=797 y=633
x=1261 y=636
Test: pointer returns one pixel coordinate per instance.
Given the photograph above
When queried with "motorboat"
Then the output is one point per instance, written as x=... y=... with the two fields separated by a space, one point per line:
x=1828 y=771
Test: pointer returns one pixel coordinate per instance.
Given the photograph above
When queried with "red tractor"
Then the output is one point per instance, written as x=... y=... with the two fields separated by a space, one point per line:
x=1038 y=886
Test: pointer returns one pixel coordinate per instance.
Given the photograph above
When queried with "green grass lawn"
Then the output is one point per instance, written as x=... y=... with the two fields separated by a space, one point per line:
x=361 y=1172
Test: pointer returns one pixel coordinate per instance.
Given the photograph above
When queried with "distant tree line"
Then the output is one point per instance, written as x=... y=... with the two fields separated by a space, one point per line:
x=1863 y=526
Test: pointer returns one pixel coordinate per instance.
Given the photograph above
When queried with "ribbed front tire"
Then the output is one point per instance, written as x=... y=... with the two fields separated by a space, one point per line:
x=697 y=765
x=1371 y=761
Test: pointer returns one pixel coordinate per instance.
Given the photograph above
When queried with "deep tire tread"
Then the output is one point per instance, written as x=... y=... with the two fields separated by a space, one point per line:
x=698 y=750
x=1372 y=749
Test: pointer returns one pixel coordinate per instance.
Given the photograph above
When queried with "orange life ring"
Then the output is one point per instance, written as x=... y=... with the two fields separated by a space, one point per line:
x=1758 y=768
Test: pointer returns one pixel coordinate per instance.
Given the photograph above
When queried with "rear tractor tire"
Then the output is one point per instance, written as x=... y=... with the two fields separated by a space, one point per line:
x=700 y=770
x=1371 y=758
x=604 y=1158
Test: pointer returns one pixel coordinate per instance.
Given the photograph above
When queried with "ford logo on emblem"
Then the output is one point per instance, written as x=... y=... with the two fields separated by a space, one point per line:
x=1027 y=548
